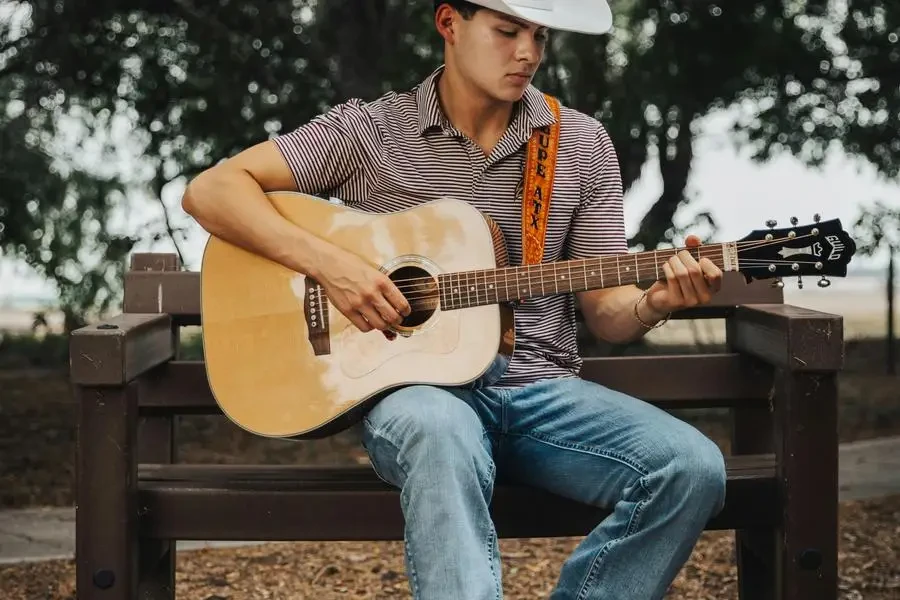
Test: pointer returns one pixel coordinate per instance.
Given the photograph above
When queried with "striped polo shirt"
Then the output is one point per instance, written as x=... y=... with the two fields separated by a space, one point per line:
x=400 y=150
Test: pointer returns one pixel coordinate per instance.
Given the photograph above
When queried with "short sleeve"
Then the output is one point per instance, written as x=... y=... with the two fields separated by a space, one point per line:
x=329 y=150
x=598 y=225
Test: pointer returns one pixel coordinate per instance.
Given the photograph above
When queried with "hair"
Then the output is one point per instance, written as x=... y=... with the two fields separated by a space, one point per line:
x=466 y=9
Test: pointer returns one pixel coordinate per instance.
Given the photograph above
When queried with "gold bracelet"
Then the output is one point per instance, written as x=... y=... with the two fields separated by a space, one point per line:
x=638 y=316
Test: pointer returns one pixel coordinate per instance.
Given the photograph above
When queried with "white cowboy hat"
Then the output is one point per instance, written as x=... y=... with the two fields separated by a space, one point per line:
x=582 y=16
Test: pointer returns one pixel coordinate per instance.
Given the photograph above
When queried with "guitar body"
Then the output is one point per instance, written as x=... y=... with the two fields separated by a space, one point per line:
x=283 y=362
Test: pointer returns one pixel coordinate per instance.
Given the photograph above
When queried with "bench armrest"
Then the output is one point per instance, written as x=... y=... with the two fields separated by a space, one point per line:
x=788 y=337
x=120 y=349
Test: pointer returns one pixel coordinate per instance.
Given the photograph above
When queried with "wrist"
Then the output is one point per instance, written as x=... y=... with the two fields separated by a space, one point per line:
x=646 y=314
x=648 y=310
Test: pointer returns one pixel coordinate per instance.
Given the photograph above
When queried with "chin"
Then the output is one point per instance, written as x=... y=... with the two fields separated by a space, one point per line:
x=510 y=94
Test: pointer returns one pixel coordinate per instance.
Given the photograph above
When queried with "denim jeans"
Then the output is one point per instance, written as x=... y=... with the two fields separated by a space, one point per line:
x=442 y=447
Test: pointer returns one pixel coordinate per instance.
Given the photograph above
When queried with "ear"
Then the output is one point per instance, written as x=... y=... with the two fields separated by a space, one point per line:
x=445 y=20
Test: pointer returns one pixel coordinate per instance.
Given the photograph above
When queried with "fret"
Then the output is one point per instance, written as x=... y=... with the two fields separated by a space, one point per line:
x=584 y=270
x=543 y=271
x=441 y=298
x=528 y=277
x=656 y=262
x=555 y=280
x=569 y=276
x=494 y=286
x=637 y=269
x=600 y=268
x=506 y=284
x=618 y=270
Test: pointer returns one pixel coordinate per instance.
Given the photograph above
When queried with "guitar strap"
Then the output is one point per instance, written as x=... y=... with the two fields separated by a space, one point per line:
x=540 y=163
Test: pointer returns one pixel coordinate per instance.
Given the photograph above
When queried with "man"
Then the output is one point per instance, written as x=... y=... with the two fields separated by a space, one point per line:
x=462 y=132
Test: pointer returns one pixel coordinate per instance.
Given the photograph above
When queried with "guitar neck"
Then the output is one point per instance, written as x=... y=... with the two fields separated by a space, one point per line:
x=492 y=286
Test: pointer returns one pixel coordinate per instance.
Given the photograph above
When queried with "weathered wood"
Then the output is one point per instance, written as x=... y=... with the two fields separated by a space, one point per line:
x=755 y=548
x=789 y=336
x=156 y=444
x=672 y=382
x=119 y=349
x=806 y=447
x=177 y=293
x=155 y=261
x=276 y=502
x=106 y=550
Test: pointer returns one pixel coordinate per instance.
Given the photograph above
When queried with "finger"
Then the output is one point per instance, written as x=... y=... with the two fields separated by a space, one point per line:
x=373 y=317
x=684 y=281
x=699 y=284
x=397 y=300
x=673 y=288
x=387 y=312
x=712 y=273
x=358 y=319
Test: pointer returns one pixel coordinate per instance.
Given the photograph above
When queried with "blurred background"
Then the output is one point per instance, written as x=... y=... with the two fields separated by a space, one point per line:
x=724 y=115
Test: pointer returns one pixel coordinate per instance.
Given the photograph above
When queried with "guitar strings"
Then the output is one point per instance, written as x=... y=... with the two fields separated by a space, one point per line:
x=414 y=283
x=430 y=300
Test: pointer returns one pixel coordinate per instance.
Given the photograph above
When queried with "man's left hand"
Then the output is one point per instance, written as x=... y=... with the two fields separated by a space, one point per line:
x=688 y=282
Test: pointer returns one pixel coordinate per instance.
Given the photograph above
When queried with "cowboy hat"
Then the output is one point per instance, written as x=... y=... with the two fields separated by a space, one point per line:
x=582 y=16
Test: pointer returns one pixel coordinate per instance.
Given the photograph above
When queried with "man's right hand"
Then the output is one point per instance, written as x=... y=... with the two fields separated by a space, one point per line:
x=361 y=292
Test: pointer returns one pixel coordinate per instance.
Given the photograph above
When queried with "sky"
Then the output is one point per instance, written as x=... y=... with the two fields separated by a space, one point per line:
x=740 y=194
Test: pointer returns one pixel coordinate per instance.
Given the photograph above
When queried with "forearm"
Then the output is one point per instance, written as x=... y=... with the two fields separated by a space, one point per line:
x=231 y=205
x=613 y=318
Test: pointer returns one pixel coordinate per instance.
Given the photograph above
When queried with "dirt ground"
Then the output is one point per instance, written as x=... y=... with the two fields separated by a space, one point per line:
x=37 y=451
x=869 y=567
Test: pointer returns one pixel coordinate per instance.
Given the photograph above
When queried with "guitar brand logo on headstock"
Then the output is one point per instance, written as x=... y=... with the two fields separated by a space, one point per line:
x=837 y=247
x=815 y=250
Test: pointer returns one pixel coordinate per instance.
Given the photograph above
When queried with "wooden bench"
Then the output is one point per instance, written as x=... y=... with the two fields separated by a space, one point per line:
x=777 y=377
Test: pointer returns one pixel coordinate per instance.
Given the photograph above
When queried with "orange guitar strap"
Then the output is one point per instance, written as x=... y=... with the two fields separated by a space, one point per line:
x=540 y=163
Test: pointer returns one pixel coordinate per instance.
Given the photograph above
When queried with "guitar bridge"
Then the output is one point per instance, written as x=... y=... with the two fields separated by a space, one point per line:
x=315 y=311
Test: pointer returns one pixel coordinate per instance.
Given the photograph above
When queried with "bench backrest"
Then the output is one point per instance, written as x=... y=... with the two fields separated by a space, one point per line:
x=157 y=284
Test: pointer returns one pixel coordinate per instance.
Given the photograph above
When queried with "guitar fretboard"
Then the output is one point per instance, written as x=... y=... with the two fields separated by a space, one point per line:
x=491 y=286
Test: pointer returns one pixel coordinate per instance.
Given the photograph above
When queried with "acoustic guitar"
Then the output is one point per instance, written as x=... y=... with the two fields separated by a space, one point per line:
x=283 y=362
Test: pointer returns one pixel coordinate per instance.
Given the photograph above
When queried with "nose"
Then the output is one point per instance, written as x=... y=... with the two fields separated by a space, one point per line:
x=528 y=49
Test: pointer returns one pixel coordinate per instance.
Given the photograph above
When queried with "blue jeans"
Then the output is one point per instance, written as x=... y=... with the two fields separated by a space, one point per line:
x=441 y=447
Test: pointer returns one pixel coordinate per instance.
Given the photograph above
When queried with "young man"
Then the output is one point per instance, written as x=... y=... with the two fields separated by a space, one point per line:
x=462 y=133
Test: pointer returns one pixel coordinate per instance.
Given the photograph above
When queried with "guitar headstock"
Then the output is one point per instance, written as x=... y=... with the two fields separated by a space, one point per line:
x=822 y=249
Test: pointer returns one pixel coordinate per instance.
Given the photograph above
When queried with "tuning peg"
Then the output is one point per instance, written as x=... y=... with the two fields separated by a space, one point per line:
x=800 y=282
x=824 y=283
x=794 y=221
x=778 y=283
x=771 y=223
x=817 y=217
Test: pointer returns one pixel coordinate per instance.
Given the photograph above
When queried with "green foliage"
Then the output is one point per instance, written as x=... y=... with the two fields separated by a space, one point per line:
x=197 y=82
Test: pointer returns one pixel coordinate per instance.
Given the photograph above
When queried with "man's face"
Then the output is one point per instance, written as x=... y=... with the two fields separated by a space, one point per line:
x=498 y=53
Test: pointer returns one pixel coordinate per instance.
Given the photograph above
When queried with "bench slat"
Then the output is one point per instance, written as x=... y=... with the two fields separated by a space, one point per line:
x=274 y=502
x=178 y=293
x=674 y=381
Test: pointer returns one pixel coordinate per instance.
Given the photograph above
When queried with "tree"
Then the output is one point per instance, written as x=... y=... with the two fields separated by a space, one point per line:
x=198 y=82
x=878 y=228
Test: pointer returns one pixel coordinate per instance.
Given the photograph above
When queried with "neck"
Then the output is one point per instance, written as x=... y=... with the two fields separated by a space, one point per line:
x=510 y=284
x=471 y=111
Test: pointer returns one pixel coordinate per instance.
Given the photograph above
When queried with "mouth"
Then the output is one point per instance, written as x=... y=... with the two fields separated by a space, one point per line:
x=520 y=76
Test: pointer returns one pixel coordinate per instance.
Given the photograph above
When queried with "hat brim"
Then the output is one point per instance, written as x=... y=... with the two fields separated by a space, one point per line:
x=581 y=16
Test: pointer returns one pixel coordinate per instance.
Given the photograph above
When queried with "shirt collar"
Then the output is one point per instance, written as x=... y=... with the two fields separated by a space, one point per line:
x=531 y=112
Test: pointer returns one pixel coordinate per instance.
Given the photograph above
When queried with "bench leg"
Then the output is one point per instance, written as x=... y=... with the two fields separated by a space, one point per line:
x=106 y=493
x=756 y=564
x=807 y=447
x=156 y=579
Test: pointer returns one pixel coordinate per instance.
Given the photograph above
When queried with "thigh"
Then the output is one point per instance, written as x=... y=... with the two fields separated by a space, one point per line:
x=591 y=443
x=426 y=426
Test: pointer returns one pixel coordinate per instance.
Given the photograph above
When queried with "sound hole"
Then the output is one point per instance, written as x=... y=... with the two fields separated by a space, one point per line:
x=420 y=290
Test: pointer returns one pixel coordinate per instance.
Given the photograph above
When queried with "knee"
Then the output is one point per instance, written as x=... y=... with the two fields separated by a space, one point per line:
x=697 y=471
x=422 y=429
